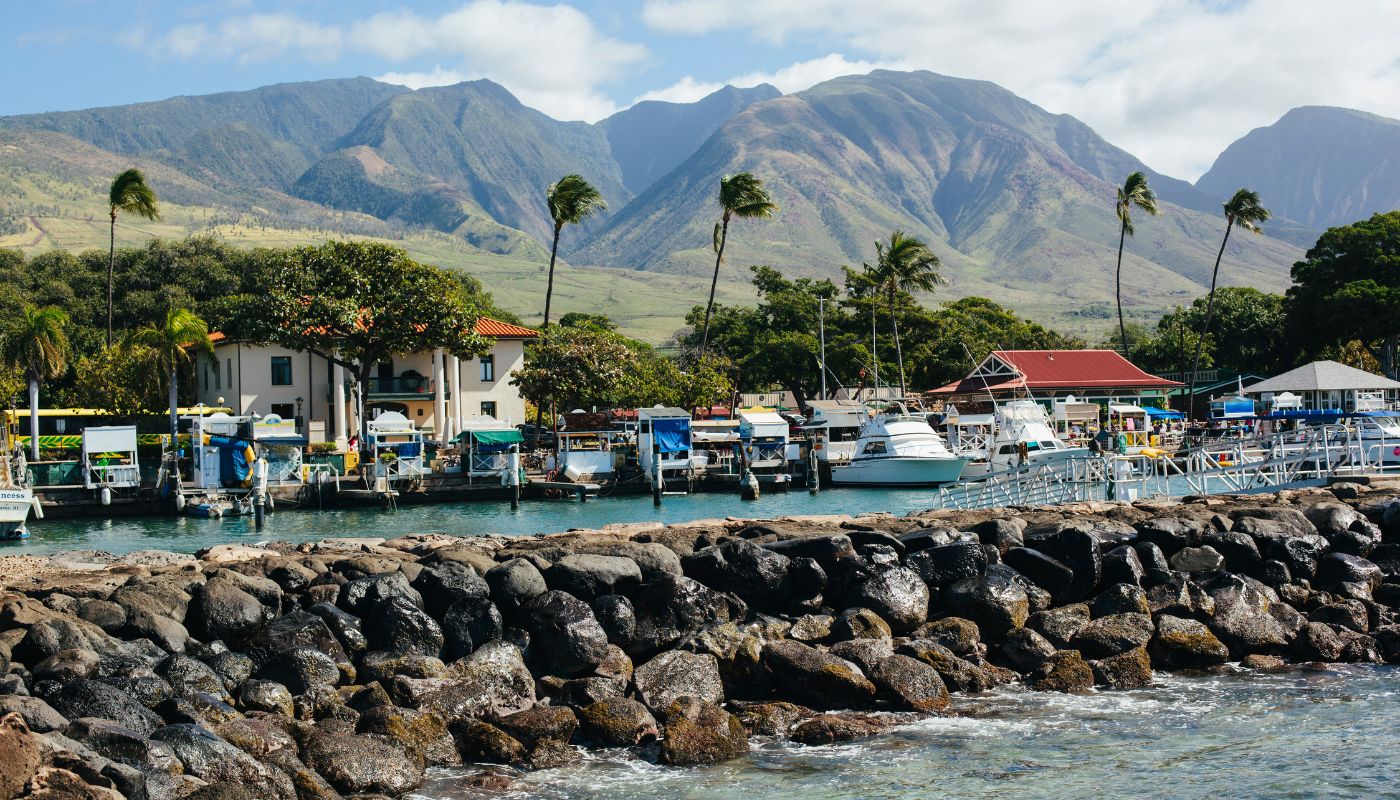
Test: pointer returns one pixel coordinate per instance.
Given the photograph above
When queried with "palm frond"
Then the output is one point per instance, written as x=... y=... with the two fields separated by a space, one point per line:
x=572 y=200
x=1135 y=192
x=905 y=264
x=1245 y=210
x=719 y=234
x=130 y=193
x=743 y=195
x=36 y=343
x=172 y=339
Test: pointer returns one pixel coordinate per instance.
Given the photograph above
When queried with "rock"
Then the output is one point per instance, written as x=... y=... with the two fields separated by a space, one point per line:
x=864 y=653
x=995 y=602
x=617 y=616
x=898 y=595
x=672 y=607
x=811 y=628
x=1042 y=570
x=839 y=727
x=188 y=676
x=1388 y=643
x=1065 y=671
x=232 y=668
x=20 y=757
x=815 y=678
x=1238 y=549
x=859 y=623
x=675 y=674
x=755 y=573
x=297 y=629
x=125 y=746
x=221 y=610
x=358 y=763
x=938 y=566
x=1334 y=569
x=1123 y=565
x=617 y=722
x=771 y=719
x=1155 y=569
x=1198 y=559
x=1169 y=534
x=493 y=680
x=1317 y=642
x=1120 y=598
x=955 y=633
x=1128 y=670
x=1059 y=625
x=1242 y=619
x=105 y=614
x=39 y=716
x=1291 y=520
x=588 y=576
x=1259 y=662
x=739 y=654
x=380 y=666
x=1274 y=573
x=1181 y=597
x=652 y=558
x=515 y=582
x=269 y=696
x=565 y=637
x=361 y=595
x=959 y=674
x=469 y=623
x=213 y=760
x=346 y=627
x=907 y=683
x=701 y=733
x=552 y=753
x=1026 y=650
x=423 y=734
x=446 y=583
x=1112 y=635
x=88 y=698
x=482 y=742
x=1003 y=534
x=399 y=626
x=1350 y=614
x=67 y=665
x=825 y=550
x=1185 y=644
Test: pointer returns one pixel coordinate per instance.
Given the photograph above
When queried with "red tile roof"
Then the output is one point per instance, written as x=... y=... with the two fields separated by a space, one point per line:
x=496 y=329
x=1063 y=369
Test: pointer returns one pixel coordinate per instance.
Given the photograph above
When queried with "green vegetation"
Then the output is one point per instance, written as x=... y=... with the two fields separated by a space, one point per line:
x=129 y=193
x=172 y=342
x=1133 y=192
x=741 y=196
x=1242 y=209
x=904 y=265
x=570 y=201
x=36 y=346
x=1247 y=335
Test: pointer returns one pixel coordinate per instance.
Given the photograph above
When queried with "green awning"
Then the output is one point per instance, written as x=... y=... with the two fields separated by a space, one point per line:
x=492 y=438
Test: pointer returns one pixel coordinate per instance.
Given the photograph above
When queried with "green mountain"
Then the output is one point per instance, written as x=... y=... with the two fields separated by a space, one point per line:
x=1317 y=165
x=1017 y=201
x=653 y=137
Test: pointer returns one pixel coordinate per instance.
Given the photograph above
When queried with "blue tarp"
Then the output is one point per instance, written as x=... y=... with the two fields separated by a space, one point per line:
x=672 y=434
x=1162 y=413
x=233 y=460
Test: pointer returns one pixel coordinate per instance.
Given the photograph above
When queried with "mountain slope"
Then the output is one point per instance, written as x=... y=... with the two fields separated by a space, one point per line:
x=652 y=138
x=1017 y=201
x=1319 y=166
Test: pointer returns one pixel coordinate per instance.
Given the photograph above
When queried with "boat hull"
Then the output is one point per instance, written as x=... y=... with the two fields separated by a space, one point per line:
x=898 y=471
x=15 y=507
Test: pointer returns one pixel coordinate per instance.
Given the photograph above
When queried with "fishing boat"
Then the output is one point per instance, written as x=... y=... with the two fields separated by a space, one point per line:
x=17 y=500
x=1021 y=437
x=834 y=427
x=897 y=448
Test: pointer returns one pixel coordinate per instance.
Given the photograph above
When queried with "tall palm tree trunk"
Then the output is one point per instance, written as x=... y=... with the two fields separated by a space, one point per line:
x=174 y=410
x=544 y=331
x=111 y=267
x=33 y=418
x=714 y=282
x=898 y=348
x=1210 y=313
x=1118 y=290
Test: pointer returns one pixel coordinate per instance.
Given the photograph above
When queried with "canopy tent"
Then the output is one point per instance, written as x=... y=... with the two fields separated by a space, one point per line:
x=490 y=441
x=1164 y=413
x=1125 y=408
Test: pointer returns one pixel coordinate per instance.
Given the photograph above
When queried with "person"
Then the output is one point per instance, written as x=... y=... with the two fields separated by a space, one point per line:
x=1094 y=447
x=1023 y=454
x=1120 y=443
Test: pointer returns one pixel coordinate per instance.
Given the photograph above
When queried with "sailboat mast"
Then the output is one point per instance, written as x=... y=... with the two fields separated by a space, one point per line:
x=874 y=352
x=821 y=327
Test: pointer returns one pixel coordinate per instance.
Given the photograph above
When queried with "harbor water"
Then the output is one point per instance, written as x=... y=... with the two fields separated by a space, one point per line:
x=1298 y=734
x=189 y=534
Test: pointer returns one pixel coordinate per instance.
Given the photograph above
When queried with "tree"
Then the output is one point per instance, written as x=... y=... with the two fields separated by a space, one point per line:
x=580 y=367
x=1133 y=192
x=128 y=193
x=947 y=343
x=740 y=196
x=1244 y=210
x=118 y=379
x=169 y=344
x=36 y=346
x=357 y=304
x=570 y=201
x=905 y=264
x=1348 y=289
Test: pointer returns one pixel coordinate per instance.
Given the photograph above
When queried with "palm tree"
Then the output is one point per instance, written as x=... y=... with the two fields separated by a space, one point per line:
x=36 y=346
x=741 y=196
x=570 y=201
x=905 y=264
x=129 y=193
x=1242 y=210
x=171 y=341
x=1133 y=192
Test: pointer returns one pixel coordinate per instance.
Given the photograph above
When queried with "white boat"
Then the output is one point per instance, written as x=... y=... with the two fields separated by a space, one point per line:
x=899 y=450
x=17 y=500
x=834 y=427
x=1018 y=423
x=1378 y=434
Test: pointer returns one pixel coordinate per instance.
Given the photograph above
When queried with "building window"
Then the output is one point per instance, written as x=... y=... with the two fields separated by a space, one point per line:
x=215 y=369
x=488 y=409
x=284 y=410
x=488 y=369
x=228 y=375
x=205 y=375
x=281 y=370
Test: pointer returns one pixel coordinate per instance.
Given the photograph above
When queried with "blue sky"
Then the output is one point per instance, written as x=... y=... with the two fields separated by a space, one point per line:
x=1172 y=81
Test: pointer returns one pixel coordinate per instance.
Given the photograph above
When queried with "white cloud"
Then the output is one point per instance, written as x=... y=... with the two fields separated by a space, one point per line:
x=1172 y=81
x=252 y=38
x=419 y=80
x=685 y=90
x=792 y=78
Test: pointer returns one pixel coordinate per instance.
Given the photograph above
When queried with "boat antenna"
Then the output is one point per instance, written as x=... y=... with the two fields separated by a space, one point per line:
x=985 y=386
x=821 y=335
x=874 y=352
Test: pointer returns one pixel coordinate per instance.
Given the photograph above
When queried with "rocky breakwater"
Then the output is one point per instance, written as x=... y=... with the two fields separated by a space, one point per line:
x=346 y=668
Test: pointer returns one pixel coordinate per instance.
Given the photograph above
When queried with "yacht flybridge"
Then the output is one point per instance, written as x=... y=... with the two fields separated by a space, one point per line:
x=1020 y=424
x=897 y=448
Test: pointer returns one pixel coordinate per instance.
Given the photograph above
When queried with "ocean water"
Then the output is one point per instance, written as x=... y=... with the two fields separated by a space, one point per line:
x=188 y=534
x=1295 y=734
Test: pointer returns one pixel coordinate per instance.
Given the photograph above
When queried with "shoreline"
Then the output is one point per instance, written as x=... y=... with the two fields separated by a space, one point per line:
x=348 y=666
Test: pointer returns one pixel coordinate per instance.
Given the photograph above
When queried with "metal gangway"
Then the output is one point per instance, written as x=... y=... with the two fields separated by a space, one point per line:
x=1265 y=463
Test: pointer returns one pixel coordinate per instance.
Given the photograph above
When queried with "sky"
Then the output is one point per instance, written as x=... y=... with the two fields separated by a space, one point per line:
x=1171 y=81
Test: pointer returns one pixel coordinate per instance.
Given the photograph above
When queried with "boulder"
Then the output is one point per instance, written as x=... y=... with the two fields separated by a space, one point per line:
x=864 y=653
x=377 y=665
x=213 y=760
x=672 y=607
x=588 y=576
x=39 y=716
x=424 y=735
x=1349 y=614
x=1123 y=565
x=944 y=564
x=1181 y=597
x=532 y=725
x=898 y=595
x=297 y=629
x=908 y=683
x=1335 y=569
x=363 y=764
x=125 y=746
x=446 y=583
x=675 y=674
x=617 y=722
x=811 y=628
x=89 y=698
x=221 y=610
x=1059 y=625
x=995 y=602
x=825 y=550
x=1003 y=534
x=20 y=756
x=652 y=558
x=1112 y=635
x=482 y=742
x=1065 y=671
x=513 y=583
x=617 y=616
x=565 y=637
x=1185 y=644
x=1197 y=559
x=1026 y=650
x=959 y=674
x=859 y=623
x=187 y=676
x=346 y=627
x=400 y=626
x=361 y=595
x=1155 y=569
x=1120 y=598
x=739 y=654
x=1317 y=642
x=469 y=623
x=955 y=633
x=269 y=696
x=701 y=733
x=755 y=573
x=1042 y=570
x=68 y=665
x=838 y=727
x=1169 y=534
x=1239 y=550
x=817 y=678
x=1242 y=619
x=1128 y=670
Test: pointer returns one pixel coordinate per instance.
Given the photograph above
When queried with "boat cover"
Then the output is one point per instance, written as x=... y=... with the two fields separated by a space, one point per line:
x=671 y=434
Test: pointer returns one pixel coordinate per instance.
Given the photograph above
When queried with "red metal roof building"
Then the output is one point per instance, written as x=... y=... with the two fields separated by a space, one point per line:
x=1086 y=374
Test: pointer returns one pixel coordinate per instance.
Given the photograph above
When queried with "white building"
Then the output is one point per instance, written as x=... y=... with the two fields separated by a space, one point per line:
x=437 y=391
x=1328 y=385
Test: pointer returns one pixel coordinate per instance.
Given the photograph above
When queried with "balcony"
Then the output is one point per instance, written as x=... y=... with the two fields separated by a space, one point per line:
x=404 y=387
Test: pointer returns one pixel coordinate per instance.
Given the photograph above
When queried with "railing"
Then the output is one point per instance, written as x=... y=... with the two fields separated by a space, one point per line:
x=404 y=384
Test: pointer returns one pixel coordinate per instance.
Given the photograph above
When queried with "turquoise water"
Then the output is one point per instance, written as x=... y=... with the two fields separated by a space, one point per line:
x=188 y=534
x=1303 y=734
